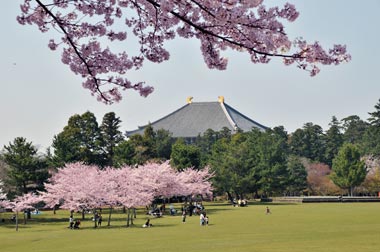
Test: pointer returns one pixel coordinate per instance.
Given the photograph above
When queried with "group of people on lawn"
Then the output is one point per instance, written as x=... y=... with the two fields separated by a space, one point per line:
x=195 y=208
x=239 y=202
x=73 y=224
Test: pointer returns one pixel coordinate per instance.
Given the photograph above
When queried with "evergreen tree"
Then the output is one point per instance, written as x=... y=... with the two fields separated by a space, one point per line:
x=353 y=129
x=185 y=155
x=27 y=171
x=375 y=116
x=371 y=142
x=80 y=140
x=348 y=170
x=234 y=161
x=272 y=166
x=111 y=136
x=308 y=142
x=163 y=144
x=333 y=140
x=297 y=180
x=124 y=154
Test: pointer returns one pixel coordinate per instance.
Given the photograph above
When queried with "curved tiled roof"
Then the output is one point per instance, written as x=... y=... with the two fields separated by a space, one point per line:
x=195 y=118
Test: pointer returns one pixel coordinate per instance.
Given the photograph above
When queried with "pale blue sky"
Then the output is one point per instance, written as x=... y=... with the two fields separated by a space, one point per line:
x=39 y=93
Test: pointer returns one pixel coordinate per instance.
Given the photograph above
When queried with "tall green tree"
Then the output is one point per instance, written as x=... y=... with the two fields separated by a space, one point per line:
x=354 y=129
x=207 y=140
x=234 y=161
x=185 y=155
x=27 y=170
x=151 y=145
x=80 y=140
x=333 y=140
x=124 y=154
x=111 y=136
x=163 y=144
x=272 y=162
x=375 y=116
x=251 y=162
x=348 y=170
x=297 y=176
x=371 y=143
x=308 y=142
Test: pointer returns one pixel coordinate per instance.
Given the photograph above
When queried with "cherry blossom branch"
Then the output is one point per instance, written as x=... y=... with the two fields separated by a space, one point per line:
x=242 y=25
x=71 y=42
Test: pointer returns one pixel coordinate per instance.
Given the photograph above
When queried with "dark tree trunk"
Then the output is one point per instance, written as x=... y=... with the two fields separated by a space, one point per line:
x=95 y=218
x=109 y=217
x=229 y=196
x=128 y=217
x=17 y=221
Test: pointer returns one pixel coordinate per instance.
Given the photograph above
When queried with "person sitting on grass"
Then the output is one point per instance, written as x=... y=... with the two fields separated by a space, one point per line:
x=77 y=224
x=147 y=224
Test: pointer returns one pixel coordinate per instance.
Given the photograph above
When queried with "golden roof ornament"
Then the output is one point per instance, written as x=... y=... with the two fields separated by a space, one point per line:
x=221 y=99
x=189 y=99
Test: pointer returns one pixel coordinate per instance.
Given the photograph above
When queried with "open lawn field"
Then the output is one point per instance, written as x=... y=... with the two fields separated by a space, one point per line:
x=332 y=227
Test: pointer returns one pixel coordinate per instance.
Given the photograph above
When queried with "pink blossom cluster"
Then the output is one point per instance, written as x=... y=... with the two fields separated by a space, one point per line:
x=3 y=196
x=23 y=202
x=89 y=27
x=79 y=186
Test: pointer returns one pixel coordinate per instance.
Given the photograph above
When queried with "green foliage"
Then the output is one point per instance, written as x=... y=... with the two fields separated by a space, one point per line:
x=207 y=140
x=250 y=162
x=354 y=129
x=348 y=170
x=333 y=140
x=163 y=144
x=375 y=116
x=111 y=136
x=80 y=140
x=27 y=171
x=124 y=154
x=152 y=145
x=371 y=143
x=308 y=142
x=185 y=155
x=272 y=165
x=297 y=176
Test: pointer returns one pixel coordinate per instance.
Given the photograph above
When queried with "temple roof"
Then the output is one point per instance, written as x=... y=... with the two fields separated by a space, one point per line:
x=195 y=118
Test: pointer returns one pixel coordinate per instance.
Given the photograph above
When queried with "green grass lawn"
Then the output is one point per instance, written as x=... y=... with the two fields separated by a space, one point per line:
x=347 y=227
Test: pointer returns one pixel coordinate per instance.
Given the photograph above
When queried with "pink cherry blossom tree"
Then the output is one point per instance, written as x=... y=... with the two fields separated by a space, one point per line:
x=88 y=29
x=196 y=182
x=78 y=186
x=22 y=203
x=129 y=189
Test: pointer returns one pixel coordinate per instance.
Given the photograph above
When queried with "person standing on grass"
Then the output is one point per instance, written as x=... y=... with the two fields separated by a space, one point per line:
x=71 y=222
x=268 y=211
x=183 y=216
x=100 y=218
x=202 y=219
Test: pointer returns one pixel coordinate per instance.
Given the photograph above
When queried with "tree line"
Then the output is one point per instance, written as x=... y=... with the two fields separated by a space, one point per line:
x=341 y=160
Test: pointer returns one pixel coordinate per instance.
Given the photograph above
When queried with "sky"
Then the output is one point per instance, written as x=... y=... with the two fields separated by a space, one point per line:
x=39 y=94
